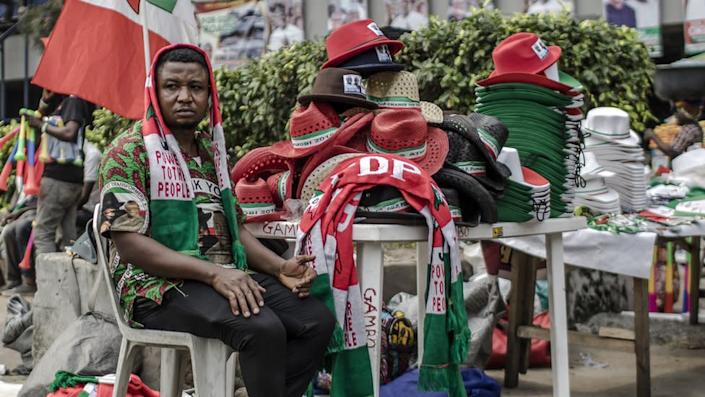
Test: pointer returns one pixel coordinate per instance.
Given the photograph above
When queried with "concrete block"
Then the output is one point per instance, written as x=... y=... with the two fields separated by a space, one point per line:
x=63 y=288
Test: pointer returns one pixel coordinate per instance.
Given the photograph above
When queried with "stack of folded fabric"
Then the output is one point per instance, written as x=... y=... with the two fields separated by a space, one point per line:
x=618 y=149
x=541 y=108
x=527 y=195
x=593 y=191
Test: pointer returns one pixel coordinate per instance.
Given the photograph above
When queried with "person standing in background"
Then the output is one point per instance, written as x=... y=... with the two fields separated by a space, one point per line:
x=62 y=180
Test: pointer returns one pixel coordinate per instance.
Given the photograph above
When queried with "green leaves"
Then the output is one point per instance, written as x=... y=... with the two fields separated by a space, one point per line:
x=106 y=126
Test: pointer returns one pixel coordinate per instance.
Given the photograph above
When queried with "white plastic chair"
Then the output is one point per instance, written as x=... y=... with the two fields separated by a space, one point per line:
x=213 y=361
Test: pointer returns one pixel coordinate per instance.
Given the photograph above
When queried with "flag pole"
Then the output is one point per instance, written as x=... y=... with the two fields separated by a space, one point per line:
x=145 y=36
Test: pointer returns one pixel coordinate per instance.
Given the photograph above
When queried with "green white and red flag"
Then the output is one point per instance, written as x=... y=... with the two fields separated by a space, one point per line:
x=97 y=49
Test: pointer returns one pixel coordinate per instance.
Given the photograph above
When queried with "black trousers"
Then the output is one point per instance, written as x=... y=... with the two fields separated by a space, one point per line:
x=16 y=239
x=280 y=348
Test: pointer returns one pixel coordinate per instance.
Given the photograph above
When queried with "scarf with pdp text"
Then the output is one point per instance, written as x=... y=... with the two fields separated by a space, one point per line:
x=326 y=232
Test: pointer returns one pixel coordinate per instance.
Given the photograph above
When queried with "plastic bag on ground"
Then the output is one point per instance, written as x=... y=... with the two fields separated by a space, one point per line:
x=17 y=333
x=89 y=346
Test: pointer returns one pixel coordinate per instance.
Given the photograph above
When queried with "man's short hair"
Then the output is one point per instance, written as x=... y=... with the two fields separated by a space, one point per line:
x=184 y=55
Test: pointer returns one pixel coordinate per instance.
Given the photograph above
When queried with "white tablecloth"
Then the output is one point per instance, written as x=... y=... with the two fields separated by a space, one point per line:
x=627 y=254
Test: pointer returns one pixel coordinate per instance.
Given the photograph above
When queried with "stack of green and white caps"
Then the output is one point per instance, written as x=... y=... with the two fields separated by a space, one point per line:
x=527 y=195
x=544 y=127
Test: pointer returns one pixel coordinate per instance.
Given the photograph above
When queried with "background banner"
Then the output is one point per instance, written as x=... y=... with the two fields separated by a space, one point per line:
x=236 y=31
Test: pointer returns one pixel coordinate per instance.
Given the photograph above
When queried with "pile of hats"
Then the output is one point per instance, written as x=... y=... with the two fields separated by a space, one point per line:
x=618 y=149
x=361 y=102
x=527 y=195
x=593 y=191
x=540 y=106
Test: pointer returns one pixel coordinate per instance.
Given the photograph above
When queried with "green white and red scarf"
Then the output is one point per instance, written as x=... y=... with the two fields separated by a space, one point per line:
x=173 y=214
x=326 y=232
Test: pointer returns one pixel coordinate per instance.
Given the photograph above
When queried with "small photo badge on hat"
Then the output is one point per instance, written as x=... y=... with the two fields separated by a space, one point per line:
x=352 y=84
x=540 y=49
x=383 y=54
x=373 y=27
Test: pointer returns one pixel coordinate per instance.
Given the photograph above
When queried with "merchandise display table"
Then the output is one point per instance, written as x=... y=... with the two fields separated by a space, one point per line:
x=370 y=255
x=625 y=254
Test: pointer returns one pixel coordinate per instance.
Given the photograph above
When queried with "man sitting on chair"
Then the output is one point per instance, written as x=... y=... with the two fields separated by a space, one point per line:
x=157 y=181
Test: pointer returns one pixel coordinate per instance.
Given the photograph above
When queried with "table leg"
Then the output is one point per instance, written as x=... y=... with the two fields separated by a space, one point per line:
x=559 y=319
x=421 y=274
x=695 y=269
x=528 y=313
x=517 y=317
x=641 y=338
x=371 y=270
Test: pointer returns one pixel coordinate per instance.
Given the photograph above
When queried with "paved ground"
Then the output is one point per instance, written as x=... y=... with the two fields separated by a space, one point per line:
x=673 y=373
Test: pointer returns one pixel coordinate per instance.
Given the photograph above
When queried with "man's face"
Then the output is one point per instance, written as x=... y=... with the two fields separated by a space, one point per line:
x=183 y=93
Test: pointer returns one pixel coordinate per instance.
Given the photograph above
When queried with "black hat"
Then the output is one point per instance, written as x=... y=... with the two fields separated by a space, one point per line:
x=476 y=204
x=338 y=86
x=386 y=202
x=376 y=59
x=474 y=141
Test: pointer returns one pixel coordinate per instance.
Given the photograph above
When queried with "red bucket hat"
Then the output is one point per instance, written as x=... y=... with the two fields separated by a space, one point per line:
x=256 y=201
x=281 y=186
x=318 y=127
x=355 y=38
x=260 y=162
x=405 y=132
x=523 y=58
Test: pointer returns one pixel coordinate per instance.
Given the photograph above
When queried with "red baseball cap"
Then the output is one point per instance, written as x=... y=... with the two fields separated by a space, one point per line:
x=523 y=53
x=523 y=58
x=355 y=38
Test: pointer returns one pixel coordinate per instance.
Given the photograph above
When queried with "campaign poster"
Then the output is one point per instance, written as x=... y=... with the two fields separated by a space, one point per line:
x=460 y=9
x=235 y=32
x=643 y=15
x=694 y=26
x=407 y=14
x=548 y=6
x=341 y=12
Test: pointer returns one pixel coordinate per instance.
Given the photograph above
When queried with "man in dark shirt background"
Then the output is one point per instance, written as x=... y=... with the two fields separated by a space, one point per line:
x=62 y=182
x=619 y=13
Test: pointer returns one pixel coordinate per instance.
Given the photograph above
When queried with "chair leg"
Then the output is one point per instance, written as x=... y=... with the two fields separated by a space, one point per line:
x=209 y=360
x=230 y=370
x=124 y=367
x=171 y=378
